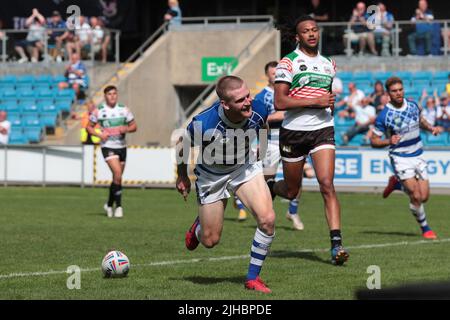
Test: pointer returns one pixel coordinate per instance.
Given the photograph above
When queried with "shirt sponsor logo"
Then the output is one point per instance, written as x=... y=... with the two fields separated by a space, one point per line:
x=303 y=67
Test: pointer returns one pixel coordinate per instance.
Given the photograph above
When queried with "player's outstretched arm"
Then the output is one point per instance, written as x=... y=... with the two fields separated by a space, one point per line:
x=283 y=101
x=183 y=184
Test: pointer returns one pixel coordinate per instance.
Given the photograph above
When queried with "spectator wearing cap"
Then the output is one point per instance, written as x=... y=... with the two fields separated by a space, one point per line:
x=35 y=37
x=173 y=14
x=57 y=35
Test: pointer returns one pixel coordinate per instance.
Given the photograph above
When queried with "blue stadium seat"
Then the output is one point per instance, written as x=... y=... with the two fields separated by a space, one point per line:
x=46 y=104
x=24 y=87
x=345 y=76
x=422 y=75
x=63 y=104
x=67 y=93
x=28 y=78
x=406 y=76
x=15 y=119
x=440 y=140
x=11 y=79
x=17 y=136
x=439 y=85
x=2 y=107
x=46 y=93
x=57 y=79
x=43 y=78
x=10 y=104
x=9 y=93
x=28 y=106
x=7 y=86
x=342 y=124
x=382 y=76
x=362 y=76
x=357 y=140
x=48 y=119
x=42 y=86
x=26 y=93
x=441 y=75
x=33 y=134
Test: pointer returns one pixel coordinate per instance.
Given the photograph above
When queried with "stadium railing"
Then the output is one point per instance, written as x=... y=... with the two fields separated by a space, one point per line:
x=10 y=36
x=399 y=33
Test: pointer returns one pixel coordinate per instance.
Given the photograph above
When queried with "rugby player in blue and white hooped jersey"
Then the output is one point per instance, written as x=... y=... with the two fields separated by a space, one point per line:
x=400 y=122
x=224 y=133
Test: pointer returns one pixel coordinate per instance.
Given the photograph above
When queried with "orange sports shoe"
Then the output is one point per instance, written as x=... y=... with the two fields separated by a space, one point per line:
x=257 y=285
x=429 y=235
x=191 y=240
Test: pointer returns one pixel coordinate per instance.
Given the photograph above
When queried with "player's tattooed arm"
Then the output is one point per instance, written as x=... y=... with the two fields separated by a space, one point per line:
x=425 y=125
x=377 y=142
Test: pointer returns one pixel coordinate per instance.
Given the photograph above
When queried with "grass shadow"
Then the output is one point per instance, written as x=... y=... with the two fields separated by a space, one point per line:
x=311 y=256
x=211 y=280
x=391 y=233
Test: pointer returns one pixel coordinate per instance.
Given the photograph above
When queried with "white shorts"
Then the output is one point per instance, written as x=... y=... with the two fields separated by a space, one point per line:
x=214 y=187
x=409 y=167
x=272 y=159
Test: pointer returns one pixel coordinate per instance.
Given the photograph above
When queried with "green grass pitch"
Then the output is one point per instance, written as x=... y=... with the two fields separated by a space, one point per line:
x=45 y=230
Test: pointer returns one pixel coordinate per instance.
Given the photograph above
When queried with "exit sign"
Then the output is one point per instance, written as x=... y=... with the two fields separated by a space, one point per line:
x=215 y=67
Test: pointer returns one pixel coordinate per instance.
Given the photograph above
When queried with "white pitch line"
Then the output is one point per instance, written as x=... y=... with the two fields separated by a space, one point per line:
x=174 y=262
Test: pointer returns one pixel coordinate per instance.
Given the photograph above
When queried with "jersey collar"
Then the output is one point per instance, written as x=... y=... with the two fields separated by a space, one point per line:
x=224 y=118
x=402 y=108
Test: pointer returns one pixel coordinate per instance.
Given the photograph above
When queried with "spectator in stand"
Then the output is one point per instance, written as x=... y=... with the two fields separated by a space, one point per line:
x=173 y=14
x=35 y=37
x=423 y=30
x=5 y=128
x=443 y=112
x=429 y=110
x=96 y=35
x=365 y=115
x=106 y=41
x=375 y=97
x=56 y=37
x=76 y=75
x=351 y=101
x=383 y=28
x=318 y=11
x=360 y=31
x=81 y=40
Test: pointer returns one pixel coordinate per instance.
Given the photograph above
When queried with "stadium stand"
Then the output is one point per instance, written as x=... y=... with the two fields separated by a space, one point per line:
x=414 y=82
x=34 y=105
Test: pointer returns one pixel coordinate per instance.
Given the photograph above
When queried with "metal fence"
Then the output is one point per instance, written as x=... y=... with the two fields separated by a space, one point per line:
x=10 y=39
x=340 y=37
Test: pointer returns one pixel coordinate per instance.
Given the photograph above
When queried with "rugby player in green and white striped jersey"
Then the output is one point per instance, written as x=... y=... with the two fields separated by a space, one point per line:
x=303 y=89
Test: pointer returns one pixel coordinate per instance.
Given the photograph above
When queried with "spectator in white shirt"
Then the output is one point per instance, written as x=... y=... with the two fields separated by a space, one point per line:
x=443 y=112
x=365 y=115
x=5 y=128
x=35 y=37
x=352 y=100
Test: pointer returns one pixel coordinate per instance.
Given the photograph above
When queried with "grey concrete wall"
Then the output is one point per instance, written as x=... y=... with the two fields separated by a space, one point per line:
x=148 y=91
x=188 y=48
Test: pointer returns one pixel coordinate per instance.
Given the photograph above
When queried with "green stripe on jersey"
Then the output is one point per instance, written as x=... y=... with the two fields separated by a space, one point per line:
x=113 y=122
x=291 y=56
x=311 y=79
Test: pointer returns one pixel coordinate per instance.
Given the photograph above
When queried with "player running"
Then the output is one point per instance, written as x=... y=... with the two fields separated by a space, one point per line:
x=273 y=158
x=400 y=121
x=303 y=89
x=115 y=121
x=233 y=169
